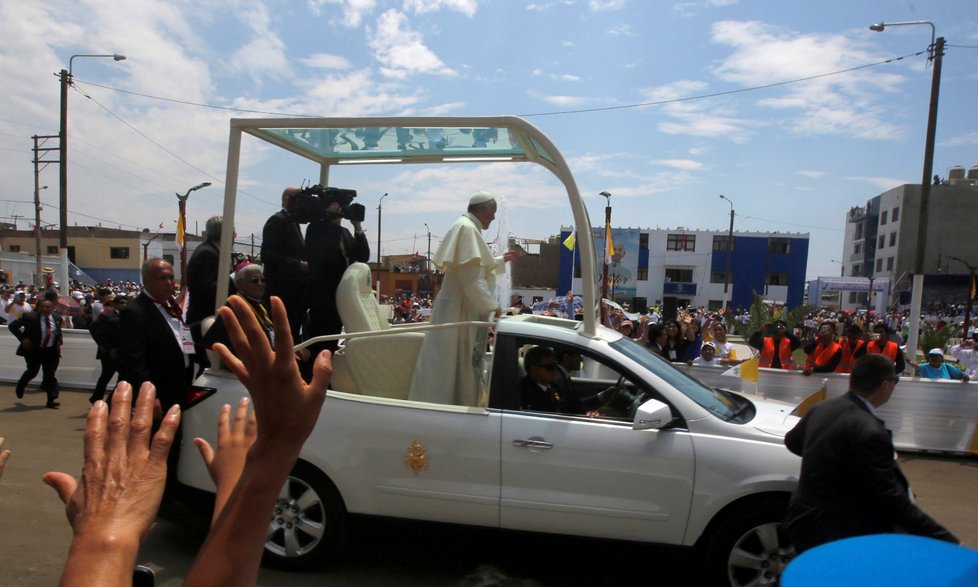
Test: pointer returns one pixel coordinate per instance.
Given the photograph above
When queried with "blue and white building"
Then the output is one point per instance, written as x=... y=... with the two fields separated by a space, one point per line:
x=684 y=267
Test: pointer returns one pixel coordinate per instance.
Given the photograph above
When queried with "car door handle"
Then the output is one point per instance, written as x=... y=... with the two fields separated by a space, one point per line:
x=533 y=444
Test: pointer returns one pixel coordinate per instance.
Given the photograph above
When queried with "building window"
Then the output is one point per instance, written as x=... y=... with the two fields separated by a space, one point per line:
x=14 y=248
x=168 y=259
x=780 y=246
x=857 y=249
x=853 y=297
x=681 y=242
x=679 y=275
x=879 y=265
x=53 y=250
x=889 y=263
x=893 y=239
x=717 y=277
x=883 y=218
x=577 y=271
x=776 y=279
x=723 y=243
x=855 y=269
x=859 y=232
x=643 y=240
x=643 y=274
x=118 y=252
x=882 y=241
x=896 y=214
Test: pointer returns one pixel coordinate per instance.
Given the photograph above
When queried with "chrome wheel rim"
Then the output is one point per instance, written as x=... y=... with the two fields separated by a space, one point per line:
x=758 y=557
x=298 y=520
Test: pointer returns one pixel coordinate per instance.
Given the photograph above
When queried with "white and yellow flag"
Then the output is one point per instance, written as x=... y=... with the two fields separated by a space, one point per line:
x=747 y=370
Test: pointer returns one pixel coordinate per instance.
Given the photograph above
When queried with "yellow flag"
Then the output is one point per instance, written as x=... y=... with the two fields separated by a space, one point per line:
x=570 y=241
x=609 y=245
x=748 y=370
x=180 y=229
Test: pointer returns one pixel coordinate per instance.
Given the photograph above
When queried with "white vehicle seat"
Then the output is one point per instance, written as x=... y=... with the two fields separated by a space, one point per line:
x=379 y=366
x=205 y=325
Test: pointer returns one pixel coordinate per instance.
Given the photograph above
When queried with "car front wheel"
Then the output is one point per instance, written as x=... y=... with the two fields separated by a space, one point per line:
x=308 y=522
x=747 y=547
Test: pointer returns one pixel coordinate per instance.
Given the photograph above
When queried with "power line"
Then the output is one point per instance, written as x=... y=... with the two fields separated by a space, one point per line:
x=555 y=112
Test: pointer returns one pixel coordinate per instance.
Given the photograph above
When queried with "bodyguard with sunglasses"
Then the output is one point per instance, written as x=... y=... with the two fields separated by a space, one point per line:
x=851 y=483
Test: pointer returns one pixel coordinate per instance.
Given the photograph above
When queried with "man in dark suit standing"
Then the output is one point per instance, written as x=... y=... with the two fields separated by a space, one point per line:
x=284 y=259
x=158 y=345
x=851 y=483
x=202 y=284
x=107 y=334
x=39 y=333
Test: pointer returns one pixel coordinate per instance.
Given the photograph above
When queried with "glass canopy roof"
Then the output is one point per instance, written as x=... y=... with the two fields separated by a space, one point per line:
x=380 y=144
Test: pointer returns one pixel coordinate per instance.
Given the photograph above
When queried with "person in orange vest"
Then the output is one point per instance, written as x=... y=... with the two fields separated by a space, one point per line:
x=853 y=346
x=880 y=342
x=824 y=354
x=775 y=344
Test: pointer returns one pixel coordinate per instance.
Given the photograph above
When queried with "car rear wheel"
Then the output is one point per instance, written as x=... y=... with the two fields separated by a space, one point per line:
x=748 y=548
x=308 y=522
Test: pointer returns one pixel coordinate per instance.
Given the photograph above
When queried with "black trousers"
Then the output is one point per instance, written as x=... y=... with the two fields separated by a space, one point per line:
x=45 y=360
x=108 y=370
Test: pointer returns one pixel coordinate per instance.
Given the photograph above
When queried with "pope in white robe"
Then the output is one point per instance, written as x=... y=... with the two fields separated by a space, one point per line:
x=449 y=369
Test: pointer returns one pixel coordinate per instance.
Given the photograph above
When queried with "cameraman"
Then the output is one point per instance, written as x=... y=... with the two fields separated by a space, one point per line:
x=284 y=258
x=330 y=249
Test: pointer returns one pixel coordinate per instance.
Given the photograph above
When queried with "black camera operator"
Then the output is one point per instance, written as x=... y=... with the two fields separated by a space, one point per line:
x=330 y=249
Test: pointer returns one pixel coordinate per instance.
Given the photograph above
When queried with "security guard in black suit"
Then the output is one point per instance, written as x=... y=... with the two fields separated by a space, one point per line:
x=39 y=333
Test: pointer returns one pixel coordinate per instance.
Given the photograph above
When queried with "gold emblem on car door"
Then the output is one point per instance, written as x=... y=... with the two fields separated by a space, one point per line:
x=416 y=458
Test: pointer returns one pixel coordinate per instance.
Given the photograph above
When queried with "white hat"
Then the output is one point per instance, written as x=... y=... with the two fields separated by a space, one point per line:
x=936 y=352
x=480 y=197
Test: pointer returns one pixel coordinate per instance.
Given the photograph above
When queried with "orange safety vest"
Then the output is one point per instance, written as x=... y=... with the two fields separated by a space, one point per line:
x=848 y=355
x=822 y=354
x=890 y=350
x=784 y=352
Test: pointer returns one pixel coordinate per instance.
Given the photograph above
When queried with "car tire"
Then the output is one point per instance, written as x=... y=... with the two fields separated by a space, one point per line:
x=308 y=523
x=747 y=547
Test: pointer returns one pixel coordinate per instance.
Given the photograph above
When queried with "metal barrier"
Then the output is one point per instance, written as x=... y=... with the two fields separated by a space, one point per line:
x=923 y=414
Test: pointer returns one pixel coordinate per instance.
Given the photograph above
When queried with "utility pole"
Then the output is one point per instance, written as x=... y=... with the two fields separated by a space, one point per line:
x=39 y=140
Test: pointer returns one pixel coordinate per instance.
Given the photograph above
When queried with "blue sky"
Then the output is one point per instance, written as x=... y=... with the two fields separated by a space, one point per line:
x=792 y=158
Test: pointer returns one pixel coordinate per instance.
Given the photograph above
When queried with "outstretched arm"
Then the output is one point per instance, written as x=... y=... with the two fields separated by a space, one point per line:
x=286 y=409
x=112 y=506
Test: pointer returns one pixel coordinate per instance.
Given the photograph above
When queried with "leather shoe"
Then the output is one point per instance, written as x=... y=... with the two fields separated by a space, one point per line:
x=20 y=393
x=52 y=405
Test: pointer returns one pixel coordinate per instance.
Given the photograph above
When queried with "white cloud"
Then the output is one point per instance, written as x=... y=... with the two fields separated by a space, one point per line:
x=264 y=54
x=811 y=174
x=845 y=104
x=966 y=139
x=567 y=101
x=401 y=51
x=353 y=11
x=624 y=30
x=883 y=183
x=605 y=5
x=466 y=7
x=702 y=118
x=685 y=164
x=567 y=77
x=721 y=2
x=326 y=61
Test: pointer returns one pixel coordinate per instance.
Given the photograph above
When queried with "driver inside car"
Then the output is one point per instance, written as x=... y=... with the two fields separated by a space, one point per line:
x=546 y=388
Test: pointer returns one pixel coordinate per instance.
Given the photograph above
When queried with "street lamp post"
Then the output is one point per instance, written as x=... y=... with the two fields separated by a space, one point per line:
x=427 y=263
x=380 y=211
x=146 y=244
x=65 y=78
x=182 y=232
x=971 y=293
x=608 y=246
x=917 y=292
x=729 y=247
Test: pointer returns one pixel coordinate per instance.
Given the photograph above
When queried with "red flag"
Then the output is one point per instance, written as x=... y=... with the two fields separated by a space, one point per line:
x=161 y=226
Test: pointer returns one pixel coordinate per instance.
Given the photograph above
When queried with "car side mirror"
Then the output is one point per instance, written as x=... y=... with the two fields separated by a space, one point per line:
x=652 y=415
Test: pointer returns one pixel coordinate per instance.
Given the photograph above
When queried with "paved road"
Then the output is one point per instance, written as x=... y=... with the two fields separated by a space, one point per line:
x=379 y=552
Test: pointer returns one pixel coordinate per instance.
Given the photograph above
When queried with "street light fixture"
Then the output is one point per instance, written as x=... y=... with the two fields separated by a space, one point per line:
x=729 y=247
x=65 y=78
x=917 y=291
x=182 y=232
x=380 y=211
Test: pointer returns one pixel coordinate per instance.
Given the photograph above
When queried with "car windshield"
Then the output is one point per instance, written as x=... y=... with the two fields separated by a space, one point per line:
x=723 y=405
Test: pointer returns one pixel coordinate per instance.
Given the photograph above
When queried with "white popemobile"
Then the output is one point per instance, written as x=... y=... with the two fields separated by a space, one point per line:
x=668 y=460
